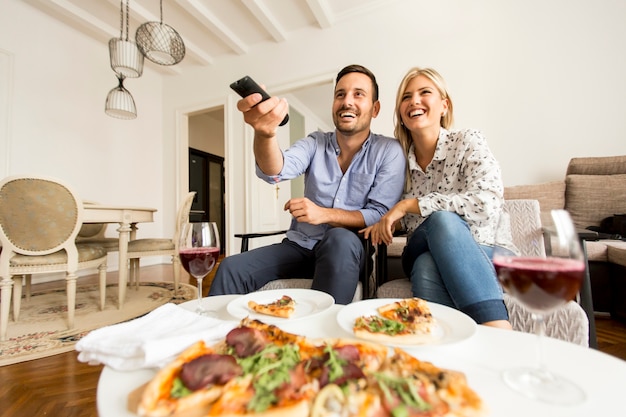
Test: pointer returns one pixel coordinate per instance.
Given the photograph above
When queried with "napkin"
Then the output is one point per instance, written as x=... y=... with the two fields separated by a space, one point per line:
x=150 y=341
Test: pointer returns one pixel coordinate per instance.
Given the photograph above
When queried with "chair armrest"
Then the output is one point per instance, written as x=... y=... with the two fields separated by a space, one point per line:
x=245 y=237
x=382 y=268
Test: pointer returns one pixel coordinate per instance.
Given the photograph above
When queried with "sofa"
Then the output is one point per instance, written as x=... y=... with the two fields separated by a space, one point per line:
x=569 y=323
x=593 y=189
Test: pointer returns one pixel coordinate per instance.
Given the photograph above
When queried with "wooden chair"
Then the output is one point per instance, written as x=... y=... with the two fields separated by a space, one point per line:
x=39 y=220
x=94 y=234
x=89 y=233
x=140 y=248
x=569 y=323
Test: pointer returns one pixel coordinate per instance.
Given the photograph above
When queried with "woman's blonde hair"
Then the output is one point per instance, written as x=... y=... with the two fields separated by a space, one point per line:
x=400 y=131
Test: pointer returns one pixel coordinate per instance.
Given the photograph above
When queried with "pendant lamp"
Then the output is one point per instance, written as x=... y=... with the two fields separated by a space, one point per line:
x=160 y=43
x=126 y=58
x=120 y=102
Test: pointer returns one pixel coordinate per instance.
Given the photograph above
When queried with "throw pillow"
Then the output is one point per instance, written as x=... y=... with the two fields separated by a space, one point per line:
x=591 y=198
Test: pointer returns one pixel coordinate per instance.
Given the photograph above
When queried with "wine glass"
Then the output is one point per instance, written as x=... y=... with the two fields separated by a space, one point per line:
x=542 y=284
x=199 y=249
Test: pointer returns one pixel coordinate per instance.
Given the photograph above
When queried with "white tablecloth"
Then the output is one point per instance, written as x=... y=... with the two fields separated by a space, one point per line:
x=480 y=357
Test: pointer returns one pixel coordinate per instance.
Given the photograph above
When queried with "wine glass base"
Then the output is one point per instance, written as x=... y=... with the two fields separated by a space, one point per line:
x=544 y=386
x=205 y=313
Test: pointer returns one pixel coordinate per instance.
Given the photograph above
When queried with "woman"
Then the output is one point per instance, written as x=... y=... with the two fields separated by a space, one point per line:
x=453 y=197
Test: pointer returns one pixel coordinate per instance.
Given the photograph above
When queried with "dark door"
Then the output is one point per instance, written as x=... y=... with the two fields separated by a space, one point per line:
x=206 y=178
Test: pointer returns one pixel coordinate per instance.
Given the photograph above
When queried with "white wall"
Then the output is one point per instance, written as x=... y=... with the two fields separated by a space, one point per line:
x=56 y=121
x=543 y=79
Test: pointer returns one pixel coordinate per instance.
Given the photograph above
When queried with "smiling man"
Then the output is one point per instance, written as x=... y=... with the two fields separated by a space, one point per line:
x=351 y=178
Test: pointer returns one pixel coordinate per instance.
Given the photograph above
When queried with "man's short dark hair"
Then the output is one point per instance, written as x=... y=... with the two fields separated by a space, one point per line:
x=361 y=69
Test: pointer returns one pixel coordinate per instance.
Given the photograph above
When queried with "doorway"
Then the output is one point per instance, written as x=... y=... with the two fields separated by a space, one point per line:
x=227 y=130
x=206 y=178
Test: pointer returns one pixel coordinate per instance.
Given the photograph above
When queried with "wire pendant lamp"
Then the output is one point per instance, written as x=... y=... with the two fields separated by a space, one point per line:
x=120 y=102
x=160 y=43
x=126 y=58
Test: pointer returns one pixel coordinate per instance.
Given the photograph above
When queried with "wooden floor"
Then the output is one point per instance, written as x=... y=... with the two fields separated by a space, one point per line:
x=61 y=386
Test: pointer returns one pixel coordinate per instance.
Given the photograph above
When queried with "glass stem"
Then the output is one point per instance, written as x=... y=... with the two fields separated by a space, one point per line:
x=200 y=302
x=540 y=331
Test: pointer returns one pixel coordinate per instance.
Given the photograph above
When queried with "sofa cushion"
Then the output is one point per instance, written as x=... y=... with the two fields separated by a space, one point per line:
x=616 y=252
x=591 y=198
x=551 y=195
x=597 y=165
x=396 y=247
x=597 y=250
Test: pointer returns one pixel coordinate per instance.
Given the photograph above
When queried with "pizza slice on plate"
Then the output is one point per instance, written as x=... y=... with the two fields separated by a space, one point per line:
x=406 y=322
x=260 y=370
x=283 y=307
x=414 y=313
x=256 y=370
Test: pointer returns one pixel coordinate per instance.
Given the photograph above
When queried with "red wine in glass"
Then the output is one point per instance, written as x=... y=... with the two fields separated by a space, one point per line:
x=199 y=261
x=542 y=283
x=198 y=250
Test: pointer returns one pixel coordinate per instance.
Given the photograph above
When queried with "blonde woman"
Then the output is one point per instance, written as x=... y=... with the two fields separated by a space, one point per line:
x=453 y=195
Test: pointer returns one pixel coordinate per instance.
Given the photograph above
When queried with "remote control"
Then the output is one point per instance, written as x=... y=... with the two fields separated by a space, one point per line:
x=246 y=86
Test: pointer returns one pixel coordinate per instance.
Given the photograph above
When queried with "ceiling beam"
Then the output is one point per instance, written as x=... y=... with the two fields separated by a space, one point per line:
x=260 y=10
x=79 y=18
x=214 y=24
x=322 y=12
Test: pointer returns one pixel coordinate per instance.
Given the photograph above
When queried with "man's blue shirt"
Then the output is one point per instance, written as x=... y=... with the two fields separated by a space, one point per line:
x=372 y=184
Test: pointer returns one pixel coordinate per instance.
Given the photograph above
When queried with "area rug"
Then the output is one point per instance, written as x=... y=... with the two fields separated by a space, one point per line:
x=42 y=327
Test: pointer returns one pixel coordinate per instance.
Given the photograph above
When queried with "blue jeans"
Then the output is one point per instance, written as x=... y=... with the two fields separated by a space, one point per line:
x=447 y=266
x=334 y=263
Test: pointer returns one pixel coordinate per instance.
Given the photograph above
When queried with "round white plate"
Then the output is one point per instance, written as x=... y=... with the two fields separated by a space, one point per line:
x=308 y=303
x=451 y=325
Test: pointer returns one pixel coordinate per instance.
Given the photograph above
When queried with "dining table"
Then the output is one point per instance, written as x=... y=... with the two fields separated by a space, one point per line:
x=127 y=217
x=481 y=353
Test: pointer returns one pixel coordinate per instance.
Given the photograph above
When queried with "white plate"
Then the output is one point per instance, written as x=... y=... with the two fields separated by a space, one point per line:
x=308 y=303
x=451 y=325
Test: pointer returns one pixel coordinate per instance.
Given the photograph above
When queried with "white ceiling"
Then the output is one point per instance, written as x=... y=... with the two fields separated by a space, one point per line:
x=213 y=30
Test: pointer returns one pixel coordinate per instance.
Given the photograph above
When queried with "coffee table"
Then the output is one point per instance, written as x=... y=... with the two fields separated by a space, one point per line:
x=481 y=357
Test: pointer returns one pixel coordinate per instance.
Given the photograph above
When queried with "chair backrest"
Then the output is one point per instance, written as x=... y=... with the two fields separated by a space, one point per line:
x=92 y=231
x=38 y=215
x=525 y=218
x=183 y=216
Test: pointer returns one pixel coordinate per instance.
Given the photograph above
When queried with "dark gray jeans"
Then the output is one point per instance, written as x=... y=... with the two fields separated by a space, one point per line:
x=334 y=263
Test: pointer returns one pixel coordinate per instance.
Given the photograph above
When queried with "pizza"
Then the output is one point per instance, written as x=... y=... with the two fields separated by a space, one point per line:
x=414 y=313
x=407 y=321
x=260 y=370
x=283 y=307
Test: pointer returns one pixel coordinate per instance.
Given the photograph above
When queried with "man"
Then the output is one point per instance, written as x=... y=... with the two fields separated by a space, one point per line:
x=352 y=177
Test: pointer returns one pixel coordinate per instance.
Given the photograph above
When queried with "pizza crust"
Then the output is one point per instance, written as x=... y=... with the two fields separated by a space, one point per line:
x=155 y=400
x=399 y=339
